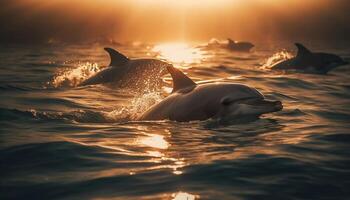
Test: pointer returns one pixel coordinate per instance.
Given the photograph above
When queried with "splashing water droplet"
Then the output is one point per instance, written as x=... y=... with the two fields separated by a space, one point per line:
x=73 y=76
x=137 y=106
x=276 y=58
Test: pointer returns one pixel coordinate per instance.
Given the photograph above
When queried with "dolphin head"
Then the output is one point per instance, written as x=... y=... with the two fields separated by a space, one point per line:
x=254 y=104
x=250 y=107
x=333 y=59
x=330 y=61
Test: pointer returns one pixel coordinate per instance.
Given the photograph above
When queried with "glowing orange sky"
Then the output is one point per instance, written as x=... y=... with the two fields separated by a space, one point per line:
x=173 y=20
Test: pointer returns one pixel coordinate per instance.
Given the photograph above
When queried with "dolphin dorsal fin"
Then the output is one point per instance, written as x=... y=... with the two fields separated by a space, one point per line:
x=302 y=50
x=230 y=41
x=180 y=80
x=116 y=57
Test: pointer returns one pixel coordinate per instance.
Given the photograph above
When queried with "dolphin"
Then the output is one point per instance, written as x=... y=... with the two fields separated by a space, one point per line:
x=191 y=102
x=125 y=72
x=230 y=45
x=239 y=46
x=311 y=62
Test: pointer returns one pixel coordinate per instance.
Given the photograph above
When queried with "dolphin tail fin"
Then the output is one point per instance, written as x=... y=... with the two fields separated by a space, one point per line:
x=116 y=57
x=302 y=50
x=180 y=80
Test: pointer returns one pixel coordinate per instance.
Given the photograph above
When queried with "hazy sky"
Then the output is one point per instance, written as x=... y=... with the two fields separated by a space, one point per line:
x=36 y=21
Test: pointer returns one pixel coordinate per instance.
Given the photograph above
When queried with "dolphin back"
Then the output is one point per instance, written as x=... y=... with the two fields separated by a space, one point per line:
x=239 y=46
x=310 y=62
x=107 y=75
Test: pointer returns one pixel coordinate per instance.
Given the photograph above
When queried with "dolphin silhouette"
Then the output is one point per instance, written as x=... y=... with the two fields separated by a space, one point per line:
x=239 y=46
x=123 y=71
x=230 y=45
x=310 y=62
x=190 y=102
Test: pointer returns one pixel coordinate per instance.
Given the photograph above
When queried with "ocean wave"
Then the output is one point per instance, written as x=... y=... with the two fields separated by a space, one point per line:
x=11 y=87
x=84 y=142
x=137 y=106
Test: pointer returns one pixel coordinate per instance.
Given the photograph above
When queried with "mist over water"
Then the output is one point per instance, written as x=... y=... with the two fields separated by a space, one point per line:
x=59 y=141
x=106 y=21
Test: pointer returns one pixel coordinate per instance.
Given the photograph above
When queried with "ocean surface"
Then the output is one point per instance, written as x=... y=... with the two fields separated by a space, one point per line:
x=59 y=141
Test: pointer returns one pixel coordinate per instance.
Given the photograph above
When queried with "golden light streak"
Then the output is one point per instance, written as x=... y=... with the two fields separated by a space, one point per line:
x=178 y=53
x=183 y=3
x=154 y=141
x=184 y=196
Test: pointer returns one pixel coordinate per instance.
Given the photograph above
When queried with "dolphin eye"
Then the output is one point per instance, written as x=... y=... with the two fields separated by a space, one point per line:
x=226 y=101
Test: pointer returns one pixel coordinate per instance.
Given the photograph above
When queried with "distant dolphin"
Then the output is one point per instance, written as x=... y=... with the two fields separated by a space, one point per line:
x=125 y=72
x=310 y=62
x=190 y=102
x=230 y=45
x=239 y=46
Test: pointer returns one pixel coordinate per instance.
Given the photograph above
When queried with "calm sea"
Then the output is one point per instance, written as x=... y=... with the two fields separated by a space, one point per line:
x=58 y=141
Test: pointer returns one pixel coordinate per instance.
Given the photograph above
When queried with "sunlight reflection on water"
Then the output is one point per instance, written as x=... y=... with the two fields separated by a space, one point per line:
x=160 y=150
x=184 y=196
x=155 y=141
x=81 y=127
x=179 y=53
x=153 y=147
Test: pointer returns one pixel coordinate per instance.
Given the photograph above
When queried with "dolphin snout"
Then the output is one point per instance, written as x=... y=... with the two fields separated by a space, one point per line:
x=278 y=105
x=274 y=105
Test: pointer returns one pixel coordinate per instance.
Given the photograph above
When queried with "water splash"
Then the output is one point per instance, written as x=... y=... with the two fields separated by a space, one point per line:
x=70 y=77
x=276 y=58
x=137 y=106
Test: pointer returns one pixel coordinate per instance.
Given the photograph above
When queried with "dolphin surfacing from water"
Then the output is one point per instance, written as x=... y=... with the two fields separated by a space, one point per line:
x=192 y=102
x=310 y=62
x=230 y=44
x=239 y=46
x=124 y=71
